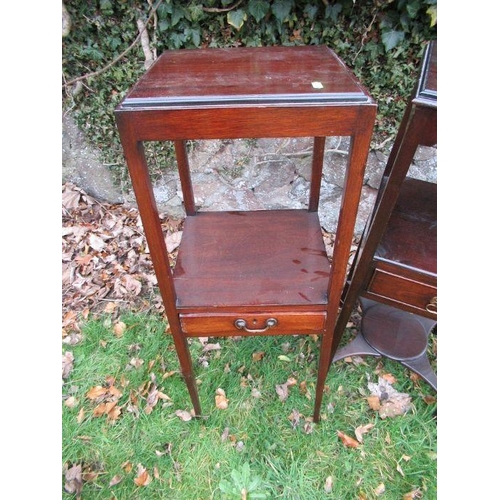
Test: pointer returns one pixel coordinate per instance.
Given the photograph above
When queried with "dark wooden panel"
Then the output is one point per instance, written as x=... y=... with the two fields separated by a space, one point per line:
x=410 y=238
x=401 y=292
x=258 y=258
x=224 y=324
x=245 y=122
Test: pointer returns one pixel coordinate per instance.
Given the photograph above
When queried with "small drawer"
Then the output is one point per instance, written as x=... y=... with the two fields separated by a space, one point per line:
x=234 y=324
x=399 y=291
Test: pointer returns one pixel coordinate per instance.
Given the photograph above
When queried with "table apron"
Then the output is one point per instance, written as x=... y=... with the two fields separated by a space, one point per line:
x=257 y=122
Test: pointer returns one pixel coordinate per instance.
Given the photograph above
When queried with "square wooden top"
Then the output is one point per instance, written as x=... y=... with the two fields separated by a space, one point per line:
x=246 y=76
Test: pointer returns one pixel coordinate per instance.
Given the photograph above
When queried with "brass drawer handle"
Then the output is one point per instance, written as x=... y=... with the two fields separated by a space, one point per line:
x=241 y=324
x=432 y=306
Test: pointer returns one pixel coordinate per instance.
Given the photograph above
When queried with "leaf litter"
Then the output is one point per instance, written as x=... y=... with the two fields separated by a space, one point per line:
x=386 y=400
x=105 y=259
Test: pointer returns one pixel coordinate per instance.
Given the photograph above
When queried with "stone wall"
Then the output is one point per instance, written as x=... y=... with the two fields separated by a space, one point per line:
x=245 y=174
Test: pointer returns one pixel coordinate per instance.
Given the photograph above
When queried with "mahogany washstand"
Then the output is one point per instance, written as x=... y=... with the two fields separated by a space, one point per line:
x=256 y=272
x=394 y=274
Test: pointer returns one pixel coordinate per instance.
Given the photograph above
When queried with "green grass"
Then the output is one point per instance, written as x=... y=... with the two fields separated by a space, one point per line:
x=251 y=444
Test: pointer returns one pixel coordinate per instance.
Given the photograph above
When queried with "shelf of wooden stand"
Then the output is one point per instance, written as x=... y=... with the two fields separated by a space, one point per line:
x=405 y=263
x=248 y=261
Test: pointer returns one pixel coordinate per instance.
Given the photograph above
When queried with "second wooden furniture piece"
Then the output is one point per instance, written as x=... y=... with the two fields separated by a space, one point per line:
x=256 y=272
x=395 y=271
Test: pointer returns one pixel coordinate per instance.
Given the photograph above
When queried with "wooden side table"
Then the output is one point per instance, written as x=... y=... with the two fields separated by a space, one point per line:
x=248 y=273
x=394 y=273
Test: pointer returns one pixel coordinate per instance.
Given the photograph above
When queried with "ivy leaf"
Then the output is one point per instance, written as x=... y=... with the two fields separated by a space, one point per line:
x=163 y=25
x=237 y=18
x=177 y=15
x=196 y=12
x=177 y=39
x=258 y=9
x=311 y=11
x=93 y=53
x=195 y=36
x=391 y=38
x=432 y=13
x=163 y=10
x=332 y=11
x=281 y=9
x=412 y=8
x=106 y=6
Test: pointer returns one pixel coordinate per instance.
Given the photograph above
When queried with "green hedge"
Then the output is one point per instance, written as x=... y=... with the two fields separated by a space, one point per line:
x=381 y=41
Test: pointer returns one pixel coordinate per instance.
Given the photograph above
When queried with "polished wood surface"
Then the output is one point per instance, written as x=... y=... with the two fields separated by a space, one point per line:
x=410 y=237
x=261 y=76
x=294 y=322
x=248 y=259
x=248 y=273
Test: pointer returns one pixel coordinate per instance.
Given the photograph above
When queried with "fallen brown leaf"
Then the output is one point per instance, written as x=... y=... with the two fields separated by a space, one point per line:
x=211 y=347
x=362 y=429
x=71 y=402
x=308 y=427
x=114 y=413
x=127 y=466
x=221 y=401
x=347 y=440
x=304 y=390
x=256 y=393
x=151 y=400
x=328 y=484
x=136 y=362
x=380 y=489
x=114 y=392
x=282 y=391
x=73 y=480
x=81 y=416
x=184 y=415
x=173 y=240
x=390 y=378
x=67 y=364
x=97 y=392
x=110 y=307
x=294 y=418
x=115 y=480
x=89 y=476
x=414 y=494
x=374 y=402
x=143 y=478
x=225 y=434
x=119 y=329
x=104 y=408
x=257 y=356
